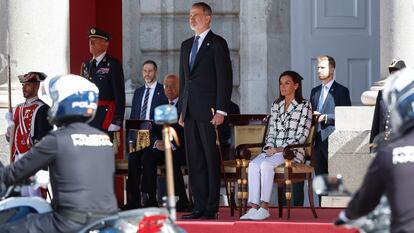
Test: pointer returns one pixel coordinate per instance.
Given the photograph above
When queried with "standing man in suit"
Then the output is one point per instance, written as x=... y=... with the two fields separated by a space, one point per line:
x=324 y=99
x=145 y=99
x=205 y=83
x=107 y=74
x=156 y=154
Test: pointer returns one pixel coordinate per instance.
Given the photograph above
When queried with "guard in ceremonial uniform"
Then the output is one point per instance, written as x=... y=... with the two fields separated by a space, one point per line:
x=107 y=74
x=30 y=123
x=30 y=117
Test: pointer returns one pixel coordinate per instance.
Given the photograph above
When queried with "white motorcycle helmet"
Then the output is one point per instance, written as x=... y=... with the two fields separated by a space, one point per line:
x=74 y=99
x=398 y=94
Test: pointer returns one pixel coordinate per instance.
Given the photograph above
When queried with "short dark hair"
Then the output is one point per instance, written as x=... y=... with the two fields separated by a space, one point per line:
x=206 y=8
x=330 y=59
x=296 y=78
x=150 y=62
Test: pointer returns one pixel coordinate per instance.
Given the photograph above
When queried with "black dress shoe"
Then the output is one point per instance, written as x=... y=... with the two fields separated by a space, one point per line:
x=209 y=215
x=183 y=207
x=193 y=215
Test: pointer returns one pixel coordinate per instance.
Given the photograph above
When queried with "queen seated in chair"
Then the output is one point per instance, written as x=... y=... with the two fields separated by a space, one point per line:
x=289 y=123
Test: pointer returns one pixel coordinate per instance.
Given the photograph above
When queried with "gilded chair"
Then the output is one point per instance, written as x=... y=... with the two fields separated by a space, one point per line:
x=141 y=128
x=245 y=128
x=289 y=172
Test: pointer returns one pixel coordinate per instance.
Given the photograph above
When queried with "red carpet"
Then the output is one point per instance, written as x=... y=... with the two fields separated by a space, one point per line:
x=301 y=221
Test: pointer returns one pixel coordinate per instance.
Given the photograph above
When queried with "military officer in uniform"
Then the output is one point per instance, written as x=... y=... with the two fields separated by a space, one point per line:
x=107 y=74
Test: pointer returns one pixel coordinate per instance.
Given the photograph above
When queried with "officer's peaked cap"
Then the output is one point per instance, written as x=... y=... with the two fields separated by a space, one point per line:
x=98 y=33
x=396 y=65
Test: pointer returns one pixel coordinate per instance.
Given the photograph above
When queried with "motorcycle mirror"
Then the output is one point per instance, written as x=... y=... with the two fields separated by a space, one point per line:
x=324 y=184
x=165 y=114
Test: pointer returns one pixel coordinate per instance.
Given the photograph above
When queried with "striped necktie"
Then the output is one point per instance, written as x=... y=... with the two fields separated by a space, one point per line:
x=144 y=107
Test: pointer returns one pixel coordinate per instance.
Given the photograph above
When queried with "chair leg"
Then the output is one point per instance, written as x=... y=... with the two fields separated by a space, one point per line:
x=279 y=199
x=240 y=196
x=231 y=201
x=288 y=196
x=310 y=195
x=245 y=197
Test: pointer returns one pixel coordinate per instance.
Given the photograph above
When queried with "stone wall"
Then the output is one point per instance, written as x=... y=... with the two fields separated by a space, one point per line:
x=348 y=144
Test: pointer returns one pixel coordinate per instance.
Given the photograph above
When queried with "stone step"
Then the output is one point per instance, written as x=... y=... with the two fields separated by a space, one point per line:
x=335 y=201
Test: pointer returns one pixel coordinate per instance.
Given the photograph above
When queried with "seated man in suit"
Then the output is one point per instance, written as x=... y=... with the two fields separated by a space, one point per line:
x=155 y=155
x=145 y=99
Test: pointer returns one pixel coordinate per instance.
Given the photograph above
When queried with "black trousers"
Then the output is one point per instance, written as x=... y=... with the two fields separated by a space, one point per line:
x=154 y=157
x=203 y=163
x=133 y=185
x=321 y=153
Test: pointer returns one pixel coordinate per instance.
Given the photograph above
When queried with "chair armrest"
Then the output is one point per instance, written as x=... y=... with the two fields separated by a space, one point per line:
x=242 y=151
x=288 y=150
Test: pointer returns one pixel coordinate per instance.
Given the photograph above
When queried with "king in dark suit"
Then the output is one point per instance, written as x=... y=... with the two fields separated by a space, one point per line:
x=146 y=99
x=107 y=74
x=205 y=84
x=324 y=99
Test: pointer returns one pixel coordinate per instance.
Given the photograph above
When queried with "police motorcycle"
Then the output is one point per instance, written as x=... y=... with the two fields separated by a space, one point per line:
x=377 y=221
x=14 y=207
x=148 y=220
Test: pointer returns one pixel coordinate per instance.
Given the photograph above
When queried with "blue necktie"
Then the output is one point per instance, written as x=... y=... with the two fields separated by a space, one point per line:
x=194 y=49
x=143 y=114
x=321 y=99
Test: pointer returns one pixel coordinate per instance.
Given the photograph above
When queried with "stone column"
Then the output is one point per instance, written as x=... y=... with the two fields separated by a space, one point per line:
x=396 y=40
x=253 y=57
x=36 y=36
x=264 y=52
x=397 y=34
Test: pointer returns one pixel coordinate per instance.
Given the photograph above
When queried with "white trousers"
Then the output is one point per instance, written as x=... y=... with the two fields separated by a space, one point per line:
x=261 y=175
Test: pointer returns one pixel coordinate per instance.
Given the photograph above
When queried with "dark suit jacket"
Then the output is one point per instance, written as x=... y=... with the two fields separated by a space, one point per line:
x=158 y=99
x=179 y=150
x=338 y=96
x=209 y=84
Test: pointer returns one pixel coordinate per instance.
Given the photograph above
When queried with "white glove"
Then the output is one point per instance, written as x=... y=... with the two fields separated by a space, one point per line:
x=41 y=179
x=113 y=127
x=9 y=117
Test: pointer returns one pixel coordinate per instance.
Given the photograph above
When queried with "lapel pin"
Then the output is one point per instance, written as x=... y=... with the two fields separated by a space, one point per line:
x=208 y=44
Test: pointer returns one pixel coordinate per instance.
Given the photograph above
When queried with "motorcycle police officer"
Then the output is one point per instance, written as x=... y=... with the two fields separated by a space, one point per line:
x=392 y=170
x=82 y=191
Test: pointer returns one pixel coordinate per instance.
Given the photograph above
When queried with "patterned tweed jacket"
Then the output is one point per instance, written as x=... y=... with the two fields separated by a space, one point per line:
x=290 y=127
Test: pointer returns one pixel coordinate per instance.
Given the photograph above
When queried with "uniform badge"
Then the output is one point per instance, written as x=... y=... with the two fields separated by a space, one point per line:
x=93 y=31
x=102 y=71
